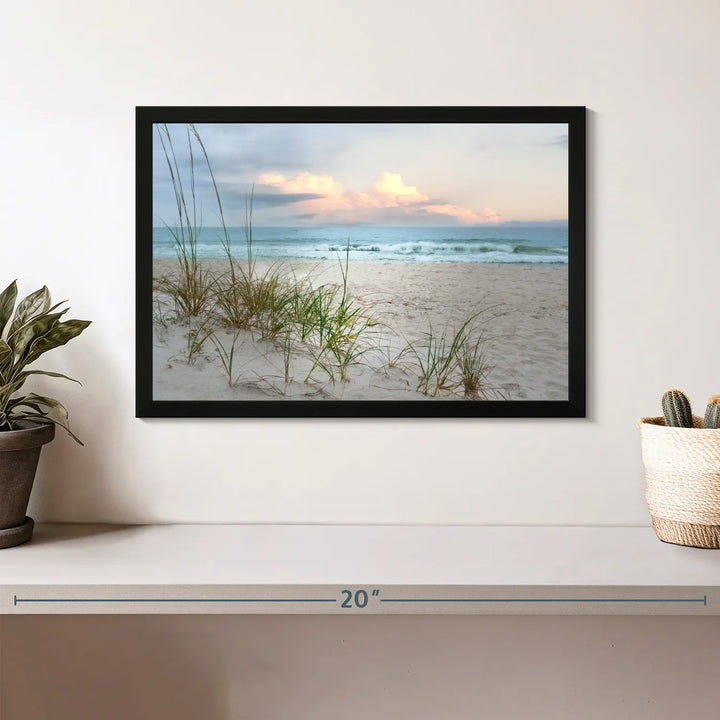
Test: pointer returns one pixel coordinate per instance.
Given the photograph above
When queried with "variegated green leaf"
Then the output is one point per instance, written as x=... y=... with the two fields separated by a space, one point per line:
x=18 y=419
x=43 y=410
x=36 y=401
x=10 y=388
x=32 y=330
x=15 y=403
x=7 y=303
x=41 y=419
x=26 y=373
x=6 y=360
x=31 y=306
x=58 y=335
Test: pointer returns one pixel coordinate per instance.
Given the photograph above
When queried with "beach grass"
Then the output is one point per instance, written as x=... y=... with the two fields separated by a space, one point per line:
x=191 y=287
x=452 y=359
x=226 y=354
x=474 y=370
x=196 y=336
x=342 y=327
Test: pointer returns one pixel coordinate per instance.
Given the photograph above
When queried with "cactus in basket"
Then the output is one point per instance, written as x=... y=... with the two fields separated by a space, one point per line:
x=676 y=409
x=712 y=413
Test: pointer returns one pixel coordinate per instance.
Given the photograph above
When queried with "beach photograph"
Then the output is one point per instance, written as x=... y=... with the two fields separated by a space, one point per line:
x=334 y=262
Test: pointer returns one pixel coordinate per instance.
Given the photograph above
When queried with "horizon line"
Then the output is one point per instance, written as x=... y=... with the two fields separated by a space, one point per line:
x=414 y=225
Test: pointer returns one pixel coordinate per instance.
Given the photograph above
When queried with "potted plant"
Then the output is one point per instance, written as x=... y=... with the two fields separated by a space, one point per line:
x=27 y=421
x=681 y=455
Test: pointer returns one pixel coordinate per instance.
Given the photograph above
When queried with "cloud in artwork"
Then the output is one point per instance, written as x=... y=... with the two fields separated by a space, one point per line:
x=304 y=182
x=270 y=199
x=325 y=198
x=393 y=192
x=464 y=215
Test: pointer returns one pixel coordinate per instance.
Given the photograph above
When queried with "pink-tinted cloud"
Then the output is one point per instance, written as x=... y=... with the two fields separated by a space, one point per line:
x=464 y=215
x=393 y=192
x=305 y=182
x=389 y=191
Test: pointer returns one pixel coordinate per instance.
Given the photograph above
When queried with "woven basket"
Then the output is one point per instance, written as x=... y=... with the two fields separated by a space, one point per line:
x=682 y=481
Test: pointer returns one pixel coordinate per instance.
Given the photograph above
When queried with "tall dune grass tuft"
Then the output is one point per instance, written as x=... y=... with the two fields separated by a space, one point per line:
x=227 y=355
x=191 y=286
x=450 y=360
x=474 y=370
x=196 y=337
x=341 y=328
x=244 y=299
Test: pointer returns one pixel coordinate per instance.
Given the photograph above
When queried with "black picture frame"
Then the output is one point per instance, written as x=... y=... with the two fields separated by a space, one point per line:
x=574 y=406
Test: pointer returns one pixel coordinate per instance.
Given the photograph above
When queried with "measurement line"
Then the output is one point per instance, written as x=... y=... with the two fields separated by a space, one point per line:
x=17 y=600
x=702 y=600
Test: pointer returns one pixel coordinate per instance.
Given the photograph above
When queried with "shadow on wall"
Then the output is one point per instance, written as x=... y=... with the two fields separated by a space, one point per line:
x=73 y=482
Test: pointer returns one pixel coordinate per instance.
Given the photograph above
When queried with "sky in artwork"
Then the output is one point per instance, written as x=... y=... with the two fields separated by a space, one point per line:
x=380 y=174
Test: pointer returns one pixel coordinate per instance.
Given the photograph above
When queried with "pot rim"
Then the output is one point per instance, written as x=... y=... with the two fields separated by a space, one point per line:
x=31 y=436
x=659 y=423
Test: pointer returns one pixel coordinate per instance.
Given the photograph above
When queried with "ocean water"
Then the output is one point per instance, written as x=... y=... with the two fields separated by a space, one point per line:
x=512 y=243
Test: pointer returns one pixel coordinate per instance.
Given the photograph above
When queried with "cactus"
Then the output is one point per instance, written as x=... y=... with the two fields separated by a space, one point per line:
x=676 y=409
x=712 y=416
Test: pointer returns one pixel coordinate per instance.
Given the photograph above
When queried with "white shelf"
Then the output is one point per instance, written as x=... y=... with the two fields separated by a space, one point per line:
x=305 y=569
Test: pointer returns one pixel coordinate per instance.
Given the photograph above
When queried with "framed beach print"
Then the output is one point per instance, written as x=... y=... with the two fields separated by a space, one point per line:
x=360 y=261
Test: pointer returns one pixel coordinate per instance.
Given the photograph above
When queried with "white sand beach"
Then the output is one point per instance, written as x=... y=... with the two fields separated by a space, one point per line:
x=526 y=330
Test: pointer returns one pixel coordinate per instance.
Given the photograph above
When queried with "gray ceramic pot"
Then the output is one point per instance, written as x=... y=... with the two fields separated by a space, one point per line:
x=19 y=455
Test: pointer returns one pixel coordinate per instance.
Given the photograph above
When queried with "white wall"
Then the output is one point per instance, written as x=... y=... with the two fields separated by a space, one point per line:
x=73 y=72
